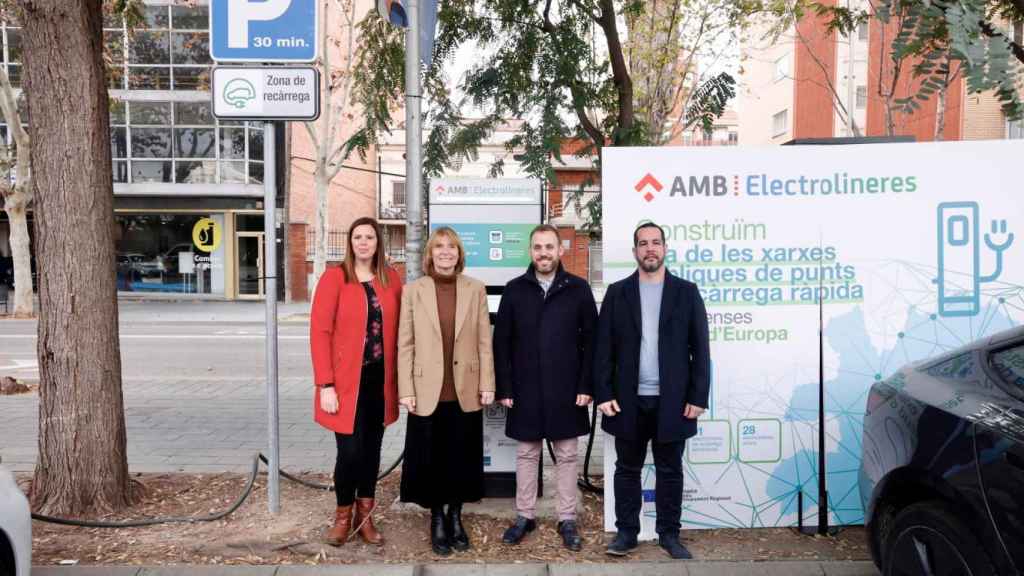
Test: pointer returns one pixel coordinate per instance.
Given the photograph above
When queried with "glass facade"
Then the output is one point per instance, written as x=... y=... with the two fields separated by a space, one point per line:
x=171 y=51
x=158 y=253
x=181 y=142
x=168 y=136
x=162 y=132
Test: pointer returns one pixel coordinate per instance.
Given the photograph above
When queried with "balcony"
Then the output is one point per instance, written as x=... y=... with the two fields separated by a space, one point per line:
x=389 y=211
x=711 y=142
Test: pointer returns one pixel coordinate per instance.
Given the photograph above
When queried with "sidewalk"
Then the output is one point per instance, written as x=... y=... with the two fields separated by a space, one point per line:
x=786 y=568
x=222 y=311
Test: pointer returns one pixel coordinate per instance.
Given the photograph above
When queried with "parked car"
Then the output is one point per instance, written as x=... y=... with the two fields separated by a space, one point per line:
x=942 y=474
x=168 y=261
x=15 y=528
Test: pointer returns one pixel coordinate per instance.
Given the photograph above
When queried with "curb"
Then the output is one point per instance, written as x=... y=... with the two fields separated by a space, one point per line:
x=686 y=568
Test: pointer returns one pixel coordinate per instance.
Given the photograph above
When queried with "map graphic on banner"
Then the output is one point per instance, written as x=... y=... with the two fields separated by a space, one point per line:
x=909 y=247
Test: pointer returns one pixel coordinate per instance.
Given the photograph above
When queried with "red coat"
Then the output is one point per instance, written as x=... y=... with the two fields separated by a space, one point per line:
x=337 y=331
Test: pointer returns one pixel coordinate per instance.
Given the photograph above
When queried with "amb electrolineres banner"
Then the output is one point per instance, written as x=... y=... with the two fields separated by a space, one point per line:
x=910 y=247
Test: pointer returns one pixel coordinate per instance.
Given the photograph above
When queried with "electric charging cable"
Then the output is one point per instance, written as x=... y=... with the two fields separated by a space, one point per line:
x=210 y=517
x=584 y=480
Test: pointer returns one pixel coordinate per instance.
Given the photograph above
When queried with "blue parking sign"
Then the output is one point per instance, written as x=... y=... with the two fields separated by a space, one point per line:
x=264 y=30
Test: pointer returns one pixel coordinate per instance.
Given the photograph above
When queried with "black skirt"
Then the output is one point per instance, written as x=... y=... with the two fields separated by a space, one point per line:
x=444 y=457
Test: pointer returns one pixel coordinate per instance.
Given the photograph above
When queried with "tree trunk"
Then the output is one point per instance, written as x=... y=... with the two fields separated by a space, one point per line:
x=321 y=186
x=16 y=206
x=890 y=117
x=940 y=113
x=82 y=466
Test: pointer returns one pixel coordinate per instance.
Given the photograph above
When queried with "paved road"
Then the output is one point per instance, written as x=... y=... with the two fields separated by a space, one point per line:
x=194 y=390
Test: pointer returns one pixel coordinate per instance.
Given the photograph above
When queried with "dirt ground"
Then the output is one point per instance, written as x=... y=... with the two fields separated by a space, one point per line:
x=253 y=536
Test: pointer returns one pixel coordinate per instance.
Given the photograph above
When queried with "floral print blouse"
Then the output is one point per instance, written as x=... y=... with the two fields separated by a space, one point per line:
x=373 y=347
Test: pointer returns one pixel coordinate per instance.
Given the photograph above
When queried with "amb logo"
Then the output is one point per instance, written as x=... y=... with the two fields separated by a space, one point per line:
x=700 y=186
x=714 y=185
x=648 y=183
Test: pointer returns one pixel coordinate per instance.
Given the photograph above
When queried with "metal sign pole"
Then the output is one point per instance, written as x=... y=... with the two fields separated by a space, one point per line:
x=413 y=137
x=270 y=295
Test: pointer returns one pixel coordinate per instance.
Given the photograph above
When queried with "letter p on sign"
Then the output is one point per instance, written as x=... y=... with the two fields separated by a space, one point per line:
x=241 y=12
x=264 y=30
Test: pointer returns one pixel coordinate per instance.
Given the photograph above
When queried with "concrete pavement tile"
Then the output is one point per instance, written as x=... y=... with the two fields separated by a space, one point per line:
x=347 y=570
x=190 y=570
x=639 y=568
x=865 y=568
x=484 y=570
x=85 y=570
x=755 y=569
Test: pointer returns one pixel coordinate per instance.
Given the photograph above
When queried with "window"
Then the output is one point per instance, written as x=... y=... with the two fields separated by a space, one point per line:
x=171 y=52
x=734 y=137
x=862 y=97
x=863 y=31
x=398 y=193
x=12 y=53
x=1018 y=32
x=181 y=142
x=1015 y=130
x=780 y=123
x=1009 y=364
x=155 y=253
x=781 y=68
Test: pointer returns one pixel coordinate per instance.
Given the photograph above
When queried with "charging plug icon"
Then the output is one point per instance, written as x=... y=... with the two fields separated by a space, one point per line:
x=959 y=251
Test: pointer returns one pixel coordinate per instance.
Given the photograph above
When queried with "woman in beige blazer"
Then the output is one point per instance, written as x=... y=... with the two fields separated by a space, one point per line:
x=445 y=375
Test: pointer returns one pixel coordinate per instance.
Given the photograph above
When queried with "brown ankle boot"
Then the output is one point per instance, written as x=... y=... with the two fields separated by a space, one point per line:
x=364 y=520
x=338 y=534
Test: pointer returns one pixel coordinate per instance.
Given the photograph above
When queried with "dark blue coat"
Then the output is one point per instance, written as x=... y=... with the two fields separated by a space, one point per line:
x=684 y=358
x=543 y=355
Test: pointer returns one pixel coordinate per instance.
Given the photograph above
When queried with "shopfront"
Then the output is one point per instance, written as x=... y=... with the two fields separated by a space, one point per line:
x=215 y=252
x=188 y=188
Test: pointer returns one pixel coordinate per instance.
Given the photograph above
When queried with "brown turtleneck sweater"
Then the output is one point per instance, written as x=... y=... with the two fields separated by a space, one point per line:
x=445 y=287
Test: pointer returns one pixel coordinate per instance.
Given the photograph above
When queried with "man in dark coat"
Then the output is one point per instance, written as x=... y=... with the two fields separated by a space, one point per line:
x=651 y=383
x=542 y=363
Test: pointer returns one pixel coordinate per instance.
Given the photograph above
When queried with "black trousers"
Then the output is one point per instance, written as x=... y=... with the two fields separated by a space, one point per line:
x=358 y=461
x=668 y=474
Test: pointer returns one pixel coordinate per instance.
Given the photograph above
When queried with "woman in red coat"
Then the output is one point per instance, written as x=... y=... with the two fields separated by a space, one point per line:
x=353 y=327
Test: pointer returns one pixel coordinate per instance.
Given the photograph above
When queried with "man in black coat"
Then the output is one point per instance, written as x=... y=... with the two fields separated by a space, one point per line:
x=651 y=382
x=542 y=363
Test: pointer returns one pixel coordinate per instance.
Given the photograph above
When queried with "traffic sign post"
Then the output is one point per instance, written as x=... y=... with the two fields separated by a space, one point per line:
x=264 y=30
x=260 y=32
x=266 y=93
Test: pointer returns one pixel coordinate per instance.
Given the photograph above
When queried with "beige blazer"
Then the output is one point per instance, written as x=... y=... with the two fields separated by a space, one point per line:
x=420 y=353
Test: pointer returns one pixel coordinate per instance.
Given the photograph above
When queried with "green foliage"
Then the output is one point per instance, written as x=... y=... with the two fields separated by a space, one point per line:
x=711 y=98
x=551 y=66
x=944 y=39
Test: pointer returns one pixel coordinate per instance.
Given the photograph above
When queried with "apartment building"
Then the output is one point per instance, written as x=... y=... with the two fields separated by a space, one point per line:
x=810 y=83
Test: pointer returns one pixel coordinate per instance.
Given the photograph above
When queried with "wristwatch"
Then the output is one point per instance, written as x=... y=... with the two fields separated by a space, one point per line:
x=328 y=385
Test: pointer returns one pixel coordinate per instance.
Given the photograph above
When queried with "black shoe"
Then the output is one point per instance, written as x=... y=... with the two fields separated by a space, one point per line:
x=675 y=549
x=516 y=532
x=570 y=535
x=438 y=533
x=456 y=532
x=622 y=544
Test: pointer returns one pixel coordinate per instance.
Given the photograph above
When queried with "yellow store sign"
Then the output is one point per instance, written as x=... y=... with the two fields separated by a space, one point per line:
x=206 y=235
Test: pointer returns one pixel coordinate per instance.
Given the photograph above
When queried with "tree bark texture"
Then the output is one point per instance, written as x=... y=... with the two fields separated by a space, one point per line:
x=82 y=466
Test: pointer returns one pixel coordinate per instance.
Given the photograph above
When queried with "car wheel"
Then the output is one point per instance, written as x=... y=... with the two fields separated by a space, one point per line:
x=928 y=539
